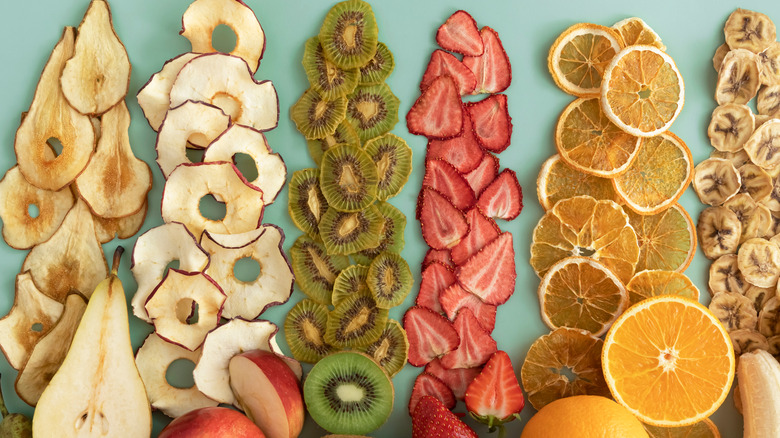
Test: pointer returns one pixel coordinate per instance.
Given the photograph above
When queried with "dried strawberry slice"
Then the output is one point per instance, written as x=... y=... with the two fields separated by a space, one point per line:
x=463 y=152
x=428 y=384
x=491 y=122
x=482 y=230
x=443 y=63
x=438 y=112
x=437 y=255
x=455 y=298
x=460 y=34
x=430 y=335
x=445 y=179
x=483 y=174
x=443 y=225
x=490 y=273
x=435 y=278
x=503 y=198
x=476 y=345
x=492 y=68
x=457 y=379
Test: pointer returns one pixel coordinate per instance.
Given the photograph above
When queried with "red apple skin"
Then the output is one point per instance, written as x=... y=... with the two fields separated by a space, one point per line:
x=212 y=422
x=288 y=390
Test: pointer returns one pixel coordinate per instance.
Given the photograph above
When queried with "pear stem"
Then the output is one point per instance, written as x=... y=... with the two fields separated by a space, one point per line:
x=3 y=409
x=117 y=256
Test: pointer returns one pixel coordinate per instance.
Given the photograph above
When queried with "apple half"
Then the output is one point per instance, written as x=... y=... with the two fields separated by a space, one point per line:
x=154 y=97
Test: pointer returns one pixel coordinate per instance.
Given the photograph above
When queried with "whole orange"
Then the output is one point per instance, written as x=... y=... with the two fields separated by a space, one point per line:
x=584 y=416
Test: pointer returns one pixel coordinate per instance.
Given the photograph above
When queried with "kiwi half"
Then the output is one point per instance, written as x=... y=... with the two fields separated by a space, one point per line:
x=315 y=270
x=393 y=158
x=317 y=117
x=389 y=279
x=379 y=67
x=348 y=393
x=392 y=234
x=350 y=281
x=349 y=232
x=348 y=178
x=306 y=204
x=304 y=330
x=349 y=34
x=355 y=321
x=344 y=134
x=391 y=350
x=324 y=76
x=372 y=110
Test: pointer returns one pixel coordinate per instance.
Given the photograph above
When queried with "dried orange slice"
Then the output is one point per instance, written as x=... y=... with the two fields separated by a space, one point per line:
x=588 y=141
x=703 y=429
x=580 y=292
x=634 y=31
x=557 y=180
x=642 y=91
x=579 y=56
x=646 y=284
x=669 y=361
x=667 y=240
x=664 y=170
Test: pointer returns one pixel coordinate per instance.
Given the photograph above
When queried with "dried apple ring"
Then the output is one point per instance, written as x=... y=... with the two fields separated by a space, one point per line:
x=154 y=97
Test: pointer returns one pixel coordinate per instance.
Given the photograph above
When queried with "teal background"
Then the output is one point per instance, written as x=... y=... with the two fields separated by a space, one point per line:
x=149 y=30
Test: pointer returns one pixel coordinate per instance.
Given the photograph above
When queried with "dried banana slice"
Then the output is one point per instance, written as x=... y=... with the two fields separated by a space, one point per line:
x=720 y=53
x=768 y=101
x=749 y=30
x=774 y=347
x=730 y=127
x=773 y=200
x=761 y=119
x=719 y=231
x=747 y=340
x=716 y=180
x=734 y=311
x=755 y=181
x=769 y=63
x=759 y=295
x=738 y=158
x=756 y=220
x=763 y=147
x=759 y=261
x=762 y=223
x=725 y=276
x=737 y=78
x=769 y=318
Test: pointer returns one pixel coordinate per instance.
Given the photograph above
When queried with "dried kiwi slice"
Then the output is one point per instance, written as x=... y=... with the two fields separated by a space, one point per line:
x=391 y=350
x=348 y=178
x=349 y=34
x=393 y=158
x=355 y=322
x=304 y=330
x=392 y=234
x=306 y=203
x=349 y=232
x=315 y=270
x=344 y=134
x=317 y=117
x=350 y=281
x=389 y=279
x=324 y=76
x=372 y=110
x=348 y=393
x=379 y=67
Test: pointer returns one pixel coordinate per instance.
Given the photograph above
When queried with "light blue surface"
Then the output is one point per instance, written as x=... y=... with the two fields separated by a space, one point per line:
x=149 y=30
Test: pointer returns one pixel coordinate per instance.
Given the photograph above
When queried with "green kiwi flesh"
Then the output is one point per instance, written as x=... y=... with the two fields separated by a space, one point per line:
x=349 y=281
x=315 y=270
x=391 y=350
x=348 y=178
x=349 y=34
x=389 y=279
x=324 y=76
x=344 y=134
x=392 y=234
x=304 y=330
x=372 y=110
x=393 y=158
x=306 y=204
x=349 y=232
x=355 y=321
x=379 y=67
x=317 y=117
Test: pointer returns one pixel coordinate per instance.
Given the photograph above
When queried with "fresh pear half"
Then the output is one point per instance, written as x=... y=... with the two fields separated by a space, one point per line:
x=122 y=227
x=155 y=96
x=97 y=391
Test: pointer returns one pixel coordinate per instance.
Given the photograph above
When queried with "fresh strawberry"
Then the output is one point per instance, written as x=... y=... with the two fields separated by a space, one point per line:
x=454 y=298
x=445 y=179
x=438 y=112
x=429 y=385
x=482 y=230
x=460 y=34
x=492 y=68
x=490 y=273
x=430 y=335
x=494 y=397
x=457 y=379
x=443 y=63
x=476 y=344
x=483 y=174
x=503 y=198
x=491 y=122
x=437 y=255
x=463 y=152
x=435 y=278
x=431 y=419
x=443 y=225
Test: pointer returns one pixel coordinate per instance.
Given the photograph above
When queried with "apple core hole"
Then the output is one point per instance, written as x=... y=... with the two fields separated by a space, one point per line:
x=212 y=209
x=223 y=38
x=37 y=327
x=33 y=211
x=184 y=310
x=246 y=165
x=195 y=155
x=179 y=374
x=56 y=145
x=246 y=269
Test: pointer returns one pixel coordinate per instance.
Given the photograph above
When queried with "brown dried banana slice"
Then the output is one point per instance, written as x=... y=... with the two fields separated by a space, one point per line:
x=746 y=29
x=755 y=181
x=730 y=127
x=756 y=222
x=720 y=53
x=763 y=147
x=747 y=340
x=759 y=295
x=734 y=311
x=769 y=63
x=716 y=180
x=759 y=261
x=769 y=318
x=737 y=78
x=768 y=101
x=725 y=276
x=738 y=158
x=719 y=230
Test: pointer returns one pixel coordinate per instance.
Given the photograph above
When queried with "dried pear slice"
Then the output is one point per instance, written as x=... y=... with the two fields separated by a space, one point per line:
x=763 y=147
x=115 y=183
x=746 y=29
x=31 y=316
x=759 y=262
x=768 y=101
x=719 y=231
x=725 y=276
x=747 y=340
x=154 y=97
x=720 y=53
x=21 y=229
x=755 y=181
x=734 y=311
x=769 y=61
x=98 y=75
x=203 y=16
x=123 y=227
x=769 y=318
x=71 y=259
x=51 y=117
x=716 y=180
x=49 y=352
x=730 y=127
x=756 y=220
x=226 y=81
x=738 y=78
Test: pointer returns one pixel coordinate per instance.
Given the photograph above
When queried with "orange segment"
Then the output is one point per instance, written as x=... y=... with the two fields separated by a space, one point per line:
x=634 y=31
x=648 y=284
x=580 y=292
x=669 y=361
x=663 y=171
x=667 y=240
x=583 y=226
x=703 y=429
x=579 y=56
x=589 y=142
x=642 y=91
x=557 y=180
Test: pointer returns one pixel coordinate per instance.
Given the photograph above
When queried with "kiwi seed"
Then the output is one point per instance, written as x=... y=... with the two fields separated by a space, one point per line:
x=356 y=321
x=391 y=350
x=306 y=203
x=316 y=117
x=315 y=270
x=393 y=158
x=389 y=279
x=348 y=178
x=350 y=281
x=379 y=67
x=349 y=34
x=324 y=76
x=392 y=234
x=350 y=232
x=304 y=330
x=372 y=110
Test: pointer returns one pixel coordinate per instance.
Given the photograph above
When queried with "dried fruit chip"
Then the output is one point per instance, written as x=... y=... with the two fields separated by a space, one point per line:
x=737 y=78
x=634 y=31
x=769 y=63
x=756 y=219
x=122 y=227
x=716 y=180
x=759 y=262
x=557 y=180
x=746 y=29
x=725 y=276
x=460 y=34
x=763 y=146
x=768 y=101
x=755 y=182
x=579 y=56
x=443 y=63
x=438 y=112
x=491 y=122
x=734 y=311
x=652 y=283
x=667 y=240
x=430 y=335
x=154 y=97
x=491 y=68
x=730 y=127
x=719 y=231
x=490 y=273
